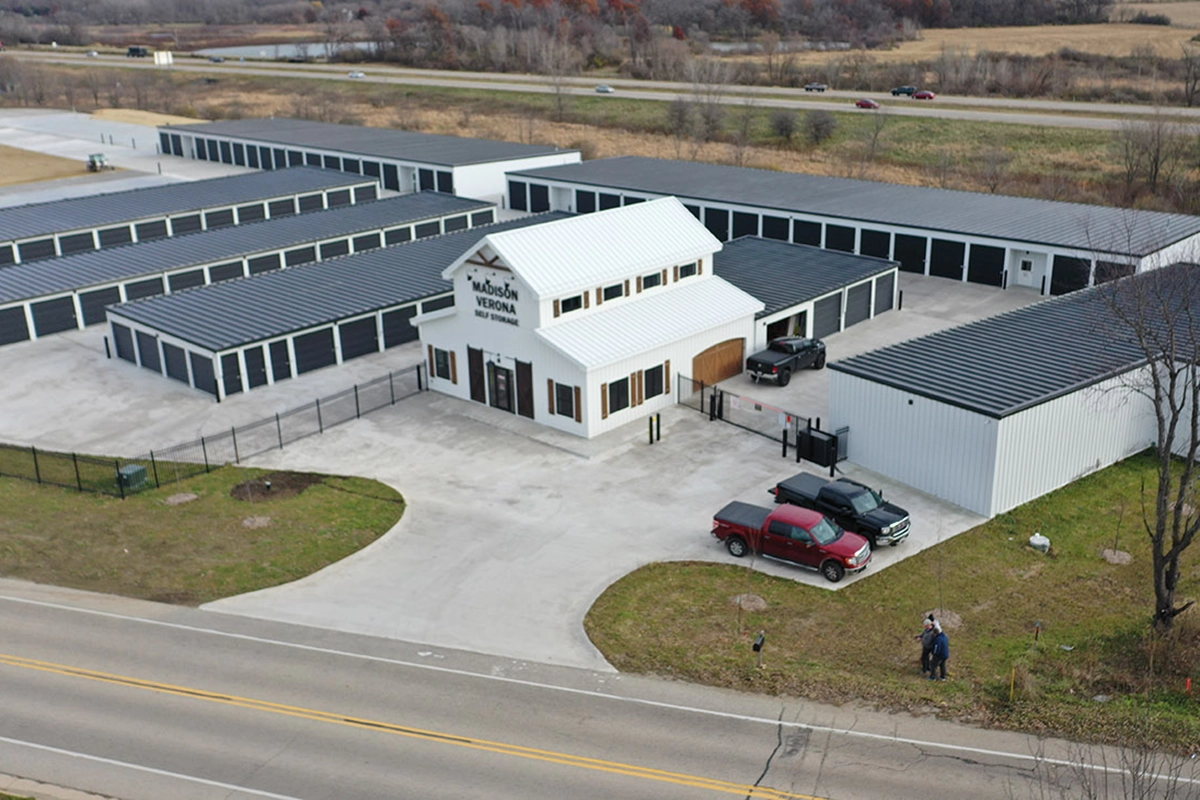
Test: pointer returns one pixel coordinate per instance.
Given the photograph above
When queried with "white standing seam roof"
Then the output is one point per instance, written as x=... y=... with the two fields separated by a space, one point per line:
x=625 y=329
x=581 y=252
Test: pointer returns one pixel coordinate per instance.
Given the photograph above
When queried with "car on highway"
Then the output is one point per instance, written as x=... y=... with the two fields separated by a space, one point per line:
x=357 y=74
x=605 y=89
x=815 y=87
x=908 y=90
x=217 y=59
x=867 y=102
x=924 y=94
x=92 y=54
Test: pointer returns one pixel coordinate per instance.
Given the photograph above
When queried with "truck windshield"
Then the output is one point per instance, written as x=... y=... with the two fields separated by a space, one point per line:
x=825 y=532
x=866 y=501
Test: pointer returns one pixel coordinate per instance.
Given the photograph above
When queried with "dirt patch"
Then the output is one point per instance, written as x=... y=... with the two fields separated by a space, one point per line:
x=748 y=602
x=275 y=486
x=256 y=522
x=951 y=620
x=181 y=498
x=135 y=117
x=25 y=166
x=1116 y=556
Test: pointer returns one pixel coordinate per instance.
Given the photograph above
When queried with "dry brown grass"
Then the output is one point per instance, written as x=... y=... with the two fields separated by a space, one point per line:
x=1183 y=15
x=22 y=166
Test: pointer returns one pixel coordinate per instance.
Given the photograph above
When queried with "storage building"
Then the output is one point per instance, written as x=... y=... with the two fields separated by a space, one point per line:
x=46 y=297
x=241 y=334
x=403 y=161
x=806 y=291
x=995 y=413
x=1052 y=247
x=61 y=227
x=580 y=324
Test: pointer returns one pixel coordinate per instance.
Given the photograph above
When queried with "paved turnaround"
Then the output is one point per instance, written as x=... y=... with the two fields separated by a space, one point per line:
x=143 y=701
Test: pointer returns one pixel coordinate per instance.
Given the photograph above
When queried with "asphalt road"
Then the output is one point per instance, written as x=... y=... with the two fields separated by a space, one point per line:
x=142 y=701
x=1053 y=113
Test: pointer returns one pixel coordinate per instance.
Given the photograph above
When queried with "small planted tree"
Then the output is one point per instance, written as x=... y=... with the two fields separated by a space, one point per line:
x=819 y=126
x=783 y=123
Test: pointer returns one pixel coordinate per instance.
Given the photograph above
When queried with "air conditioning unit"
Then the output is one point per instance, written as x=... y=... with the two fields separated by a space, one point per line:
x=132 y=477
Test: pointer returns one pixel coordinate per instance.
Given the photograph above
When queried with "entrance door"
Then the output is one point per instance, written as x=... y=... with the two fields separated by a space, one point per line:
x=525 y=389
x=500 y=387
x=475 y=375
x=719 y=362
x=1025 y=272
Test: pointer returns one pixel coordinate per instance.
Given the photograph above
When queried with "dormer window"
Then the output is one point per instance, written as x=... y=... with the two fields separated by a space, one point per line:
x=687 y=270
x=571 y=303
x=614 y=291
x=652 y=280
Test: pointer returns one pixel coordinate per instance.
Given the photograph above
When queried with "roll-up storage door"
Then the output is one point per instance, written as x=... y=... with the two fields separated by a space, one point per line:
x=175 y=360
x=281 y=361
x=1070 y=274
x=839 y=237
x=910 y=252
x=147 y=346
x=256 y=366
x=827 y=315
x=93 y=303
x=13 y=327
x=123 y=339
x=874 y=243
x=396 y=329
x=203 y=374
x=858 y=303
x=53 y=316
x=314 y=350
x=946 y=259
x=231 y=371
x=885 y=287
x=986 y=265
x=359 y=338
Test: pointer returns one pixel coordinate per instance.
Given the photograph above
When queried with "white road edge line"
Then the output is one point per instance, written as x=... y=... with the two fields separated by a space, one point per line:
x=957 y=748
x=162 y=772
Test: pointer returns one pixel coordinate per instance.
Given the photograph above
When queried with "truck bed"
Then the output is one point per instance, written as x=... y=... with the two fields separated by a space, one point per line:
x=802 y=485
x=743 y=515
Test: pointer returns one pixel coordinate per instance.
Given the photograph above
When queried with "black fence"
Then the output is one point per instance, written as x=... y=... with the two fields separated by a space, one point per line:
x=120 y=477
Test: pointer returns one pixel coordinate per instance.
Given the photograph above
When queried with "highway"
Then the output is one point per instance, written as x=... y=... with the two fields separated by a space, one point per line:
x=142 y=701
x=1022 y=111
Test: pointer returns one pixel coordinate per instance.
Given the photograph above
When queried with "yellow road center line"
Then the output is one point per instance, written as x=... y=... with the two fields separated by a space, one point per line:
x=501 y=748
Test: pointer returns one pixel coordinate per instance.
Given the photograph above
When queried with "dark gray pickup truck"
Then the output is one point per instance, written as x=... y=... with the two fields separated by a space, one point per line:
x=784 y=356
x=850 y=504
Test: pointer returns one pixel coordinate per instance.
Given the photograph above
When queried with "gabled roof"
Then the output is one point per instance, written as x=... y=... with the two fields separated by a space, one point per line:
x=590 y=249
x=238 y=312
x=782 y=274
x=78 y=213
x=622 y=330
x=1013 y=361
x=1021 y=219
x=96 y=267
x=427 y=148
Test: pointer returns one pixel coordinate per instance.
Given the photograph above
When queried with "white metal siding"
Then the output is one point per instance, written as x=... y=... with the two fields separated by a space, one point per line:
x=1055 y=443
x=946 y=451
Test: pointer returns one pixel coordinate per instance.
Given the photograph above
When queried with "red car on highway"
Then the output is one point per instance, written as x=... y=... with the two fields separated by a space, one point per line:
x=867 y=102
x=924 y=94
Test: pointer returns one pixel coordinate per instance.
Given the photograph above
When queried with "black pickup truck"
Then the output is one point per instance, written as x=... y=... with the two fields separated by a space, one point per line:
x=848 y=503
x=784 y=356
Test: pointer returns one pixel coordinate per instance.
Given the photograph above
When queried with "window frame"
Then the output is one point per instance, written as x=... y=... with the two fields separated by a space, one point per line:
x=651 y=280
x=613 y=292
x=575 y=300
x=618 y=390
x=562 y=390
x=688 y=270
x=441 y=359
x=649 y=382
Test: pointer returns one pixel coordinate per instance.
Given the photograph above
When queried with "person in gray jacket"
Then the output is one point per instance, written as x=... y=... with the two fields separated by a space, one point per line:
x=926 y=637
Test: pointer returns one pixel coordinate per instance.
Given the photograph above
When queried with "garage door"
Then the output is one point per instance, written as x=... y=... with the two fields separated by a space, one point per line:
x=53 y=316
x=946 y=259
x=875 y=243
x=719 y=362
x=910 y=252
x=986 y=265
x=858 y=303
x=1069 y=274
x=827 y=315
x=884 y=289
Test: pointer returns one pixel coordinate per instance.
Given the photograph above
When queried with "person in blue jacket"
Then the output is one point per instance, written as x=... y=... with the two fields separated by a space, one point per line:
x=939 y=655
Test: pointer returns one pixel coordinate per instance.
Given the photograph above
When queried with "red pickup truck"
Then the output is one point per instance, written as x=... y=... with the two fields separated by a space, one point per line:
x=790 y=533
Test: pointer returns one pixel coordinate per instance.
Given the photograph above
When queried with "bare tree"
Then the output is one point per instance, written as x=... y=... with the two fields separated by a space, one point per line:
x=783 y=123
x=1191 y=75
x=743 y=131
x=681 y=121
x=993 y=168
x=1156 y=316
x=710 y=81
x=558 y=60
x=819 y=126
x=1151 y=150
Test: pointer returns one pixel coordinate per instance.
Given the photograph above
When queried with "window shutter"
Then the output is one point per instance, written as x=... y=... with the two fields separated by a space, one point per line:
x=676 y=278
x=453 y=369
x=667 y=377
x=639 y=284
x=664 y=281
x=627 y=286
x=599 y=296
x=557 y=309
x=633 y=389
x=641 y=387
x=578 y=404
x=604 y=401
x=550 y=387
x=586 y=295
x=432 y=364
x=700 y=266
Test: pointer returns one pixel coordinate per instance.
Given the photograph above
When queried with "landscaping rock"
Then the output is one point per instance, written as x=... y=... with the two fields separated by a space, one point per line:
x=1116 y=556
x=749 y=602
x=181 y=498
x=256 y=522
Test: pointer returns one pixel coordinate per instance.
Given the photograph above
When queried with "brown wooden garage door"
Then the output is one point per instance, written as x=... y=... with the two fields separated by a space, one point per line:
x=719 y=362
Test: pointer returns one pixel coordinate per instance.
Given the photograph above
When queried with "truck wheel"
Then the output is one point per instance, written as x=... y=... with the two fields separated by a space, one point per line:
x=833 y=571
x=820 y=362
x=736 y=546
x=785 y=375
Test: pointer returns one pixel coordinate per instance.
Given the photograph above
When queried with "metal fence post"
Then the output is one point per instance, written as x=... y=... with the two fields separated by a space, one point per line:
x=37 y=472
x=204 y=450
x=320 y=424
x=154 y=467
x=78 y=480
x=233 y=434
x=392 y=384
x=785 y=442
x=357 y=411
x=279 y=431
x=120 y=483
x=721 y=405
x=420 y=369
x=657 y=427
x=650 y=421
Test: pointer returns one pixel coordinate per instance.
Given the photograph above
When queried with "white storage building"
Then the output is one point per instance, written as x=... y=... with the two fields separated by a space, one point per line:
x=580 y=324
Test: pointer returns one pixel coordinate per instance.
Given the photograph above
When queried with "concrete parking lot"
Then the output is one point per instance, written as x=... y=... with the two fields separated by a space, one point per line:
x=512 y=530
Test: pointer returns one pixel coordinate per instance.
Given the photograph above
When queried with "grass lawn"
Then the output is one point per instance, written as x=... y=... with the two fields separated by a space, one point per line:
x=681 y=620
x=235 y=537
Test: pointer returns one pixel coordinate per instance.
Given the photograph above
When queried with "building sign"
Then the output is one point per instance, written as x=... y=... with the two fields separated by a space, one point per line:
x=495 y=296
